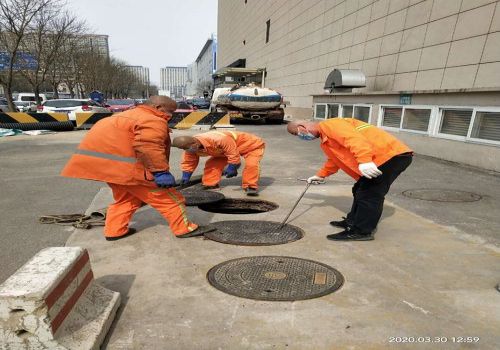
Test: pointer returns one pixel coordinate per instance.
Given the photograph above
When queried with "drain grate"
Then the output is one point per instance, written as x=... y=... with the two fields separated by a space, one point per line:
x=440 y=195
x=239 y=206
x=275 y=278
x=198 y=197
x=248 y=232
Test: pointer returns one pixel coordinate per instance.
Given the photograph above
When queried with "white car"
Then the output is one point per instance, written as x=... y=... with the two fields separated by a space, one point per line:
x=71 y=107
x=25 y=106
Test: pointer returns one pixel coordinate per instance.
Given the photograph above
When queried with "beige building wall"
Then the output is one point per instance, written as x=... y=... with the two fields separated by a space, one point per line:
x=401 y=45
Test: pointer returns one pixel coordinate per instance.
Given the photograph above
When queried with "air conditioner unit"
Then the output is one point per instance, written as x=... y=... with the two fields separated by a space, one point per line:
x=344 y=80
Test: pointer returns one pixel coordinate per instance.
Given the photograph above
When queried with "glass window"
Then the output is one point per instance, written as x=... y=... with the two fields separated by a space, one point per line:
x=416 y=119
x=347 y=111
x=362 y=113
x=333 y=110
x=486 y=126
x=455 y=122
x=320 y=111
x=392 y=117
x=63 y=103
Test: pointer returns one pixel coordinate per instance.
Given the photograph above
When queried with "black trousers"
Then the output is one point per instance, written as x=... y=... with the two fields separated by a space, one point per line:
x=369 y=194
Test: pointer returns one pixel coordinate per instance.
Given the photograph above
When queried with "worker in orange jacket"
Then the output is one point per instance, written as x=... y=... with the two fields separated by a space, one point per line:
x=130 y=152
x=223 y=147
x=373 y=157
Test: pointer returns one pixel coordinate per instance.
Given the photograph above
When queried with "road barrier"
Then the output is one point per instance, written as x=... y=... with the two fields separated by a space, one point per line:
x=52 y=302
x=35 y=121
x=179 y=120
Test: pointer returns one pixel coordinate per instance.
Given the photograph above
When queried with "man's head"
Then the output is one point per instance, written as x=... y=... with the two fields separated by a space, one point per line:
x=187 y=143
x=162 y=103
x=305 y=129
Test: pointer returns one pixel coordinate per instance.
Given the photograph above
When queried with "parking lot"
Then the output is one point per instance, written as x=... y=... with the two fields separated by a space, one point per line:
x=431 y=271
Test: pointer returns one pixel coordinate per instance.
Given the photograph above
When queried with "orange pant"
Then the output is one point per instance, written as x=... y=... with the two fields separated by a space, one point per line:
x=168 y=201
x=215 y=165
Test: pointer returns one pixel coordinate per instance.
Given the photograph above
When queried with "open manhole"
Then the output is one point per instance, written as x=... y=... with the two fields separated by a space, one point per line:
x=249 y=232
x=197 y=197
x=239 y=206
x=275 y=278
x=439 y=195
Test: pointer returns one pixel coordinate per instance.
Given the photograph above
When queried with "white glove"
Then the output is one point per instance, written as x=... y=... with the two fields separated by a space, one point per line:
x=369 y=170
x=316 y=180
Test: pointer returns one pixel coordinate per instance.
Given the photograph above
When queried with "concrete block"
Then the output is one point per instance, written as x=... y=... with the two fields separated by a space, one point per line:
x=492 y=48
x=357 y=52
x=470 y=4
x=380 y=9
x=52 y=302
x=474 y=22
x=363 y=16
x=383 y=82
x=370 y=67
x=440 y=31
x=396 y=5
x=376 y=28
x=395 y=22
x=429 y=79
x=360 y=35
x=387 y=64
x=467 y=51
x=413 y=38
x=408 y=61
x=418 y=14
x=445 y=8
x=488 y=75
x=459 y=77
x=391 y=43
x=434 y=57
x=495 y=23
x=404 y=81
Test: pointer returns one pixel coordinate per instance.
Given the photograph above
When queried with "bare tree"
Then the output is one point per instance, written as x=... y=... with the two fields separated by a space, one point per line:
x=15 y=18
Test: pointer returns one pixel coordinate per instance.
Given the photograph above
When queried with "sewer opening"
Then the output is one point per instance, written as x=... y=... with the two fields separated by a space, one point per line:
x=22 y=333
x=14 y=311
x=239 y=206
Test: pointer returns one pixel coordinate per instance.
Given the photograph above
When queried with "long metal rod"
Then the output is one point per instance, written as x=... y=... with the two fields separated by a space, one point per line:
x=296 y=203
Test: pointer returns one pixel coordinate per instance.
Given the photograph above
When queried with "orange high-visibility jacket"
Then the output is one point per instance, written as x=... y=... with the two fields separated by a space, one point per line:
x=349 y=142
x=229 y=144
x=124 y=148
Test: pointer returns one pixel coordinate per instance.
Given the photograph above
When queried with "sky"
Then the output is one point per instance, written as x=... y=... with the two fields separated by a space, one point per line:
x=151 y=33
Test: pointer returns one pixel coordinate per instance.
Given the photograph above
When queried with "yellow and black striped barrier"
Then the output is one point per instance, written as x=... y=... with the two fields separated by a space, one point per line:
x=35 y=121
x=179 y=120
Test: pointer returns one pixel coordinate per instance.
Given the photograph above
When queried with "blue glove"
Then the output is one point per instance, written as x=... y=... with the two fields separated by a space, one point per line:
x=231 y=170
x=164 y=179
x=186 y=176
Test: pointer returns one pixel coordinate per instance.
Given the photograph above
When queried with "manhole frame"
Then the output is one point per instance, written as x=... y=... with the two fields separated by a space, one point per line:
x=220 y=194
x=242 y=200
x=339 y=281
x=474 y=195
x=249 y=244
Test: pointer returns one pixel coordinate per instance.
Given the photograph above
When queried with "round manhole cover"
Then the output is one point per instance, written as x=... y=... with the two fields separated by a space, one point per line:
x=239 y=206
x=275 y=278
x=198 y=197
x=437 y=195
x=248 y=232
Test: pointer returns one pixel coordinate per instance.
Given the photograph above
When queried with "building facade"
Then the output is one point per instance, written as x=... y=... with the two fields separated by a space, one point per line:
x=174 y=79
x=432 y=67
x=201 y=70
x=140 y=73
x=192 y=79
x=98 y=44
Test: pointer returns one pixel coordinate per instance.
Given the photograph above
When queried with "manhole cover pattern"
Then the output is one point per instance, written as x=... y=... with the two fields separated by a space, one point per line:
x=239 y=206
x=199 y=197
x=437 y=195
x=248 y=232
x=275 y=278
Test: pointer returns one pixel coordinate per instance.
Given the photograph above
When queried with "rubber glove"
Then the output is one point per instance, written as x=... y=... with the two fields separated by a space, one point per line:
x=186 y=176
x=231 y=170
x=164 y=179
x=316 y=180
x=369 y=170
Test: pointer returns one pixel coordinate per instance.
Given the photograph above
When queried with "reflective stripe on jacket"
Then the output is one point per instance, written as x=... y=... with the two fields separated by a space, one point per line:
x=229 y=144
x=124 y=148
x=348 y=142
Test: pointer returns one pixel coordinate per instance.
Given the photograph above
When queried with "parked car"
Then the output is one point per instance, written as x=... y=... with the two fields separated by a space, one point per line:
x=120 y=105
x=201 y=103
x=184 y=107
x=25 y=106
x=28 y=96
x=4 y=107
x=71 y=107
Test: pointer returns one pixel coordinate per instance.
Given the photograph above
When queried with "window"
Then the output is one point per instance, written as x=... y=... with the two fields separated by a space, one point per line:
x=347 y=111
x=455 y=122
x=391 y=117
x=416 y=119
x=320 y=111
x=486 y=126
x=362 y=113
x=333 y=111
x=268 y=27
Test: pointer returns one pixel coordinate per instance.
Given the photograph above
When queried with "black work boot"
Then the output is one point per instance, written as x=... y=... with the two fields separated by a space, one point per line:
x=214 y=187
x=200 y=231
x=351 y=235
x=252 y=192
x=130 y=232
x=342 y=223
